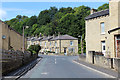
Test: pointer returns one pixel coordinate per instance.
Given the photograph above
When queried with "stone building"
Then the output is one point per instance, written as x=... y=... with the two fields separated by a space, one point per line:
x=58 y=44
x=33 y=41
x=64 y=44
x=102 y=31
x=10 y=39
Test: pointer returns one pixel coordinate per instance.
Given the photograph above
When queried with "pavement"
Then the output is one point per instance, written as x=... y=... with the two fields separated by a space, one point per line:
x=67 y=67
x=97 y=68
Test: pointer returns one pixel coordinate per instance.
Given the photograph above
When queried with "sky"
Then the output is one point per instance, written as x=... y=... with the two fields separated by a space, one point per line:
x=9 y=10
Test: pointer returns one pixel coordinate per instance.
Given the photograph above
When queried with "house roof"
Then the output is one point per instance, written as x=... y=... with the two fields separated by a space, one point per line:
x=64 y=37
x=47 y=38
x=35 y=39
x=61 y=37
x=98 y=14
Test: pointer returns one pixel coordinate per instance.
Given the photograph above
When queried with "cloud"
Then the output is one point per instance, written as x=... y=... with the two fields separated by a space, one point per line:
x=2 y=13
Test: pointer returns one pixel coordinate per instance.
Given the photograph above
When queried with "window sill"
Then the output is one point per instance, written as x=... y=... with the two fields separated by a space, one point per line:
x=102 y=33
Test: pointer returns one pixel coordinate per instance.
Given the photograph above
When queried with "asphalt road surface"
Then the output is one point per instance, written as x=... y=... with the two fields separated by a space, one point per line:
x=61 y=67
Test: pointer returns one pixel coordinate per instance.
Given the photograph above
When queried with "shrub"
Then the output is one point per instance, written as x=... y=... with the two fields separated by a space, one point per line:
x=34 y=49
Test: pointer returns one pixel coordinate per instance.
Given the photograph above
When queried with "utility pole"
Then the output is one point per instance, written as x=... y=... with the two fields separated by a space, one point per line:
x=23 y=40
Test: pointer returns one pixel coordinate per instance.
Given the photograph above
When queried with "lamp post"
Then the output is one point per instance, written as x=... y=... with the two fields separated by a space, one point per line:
x=24 y=38
x=81 y=45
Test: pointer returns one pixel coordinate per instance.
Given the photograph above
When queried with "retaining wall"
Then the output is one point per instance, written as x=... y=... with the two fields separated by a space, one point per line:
x=14 y=59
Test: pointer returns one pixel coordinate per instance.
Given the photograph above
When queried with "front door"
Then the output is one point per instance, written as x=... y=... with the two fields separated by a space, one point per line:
x=103 y=47
x=117 y=46
x=56 y=50
x=65 y=51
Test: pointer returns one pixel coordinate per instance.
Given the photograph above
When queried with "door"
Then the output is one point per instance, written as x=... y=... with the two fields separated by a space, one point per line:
x=117 y=46
x=65 y=51
x=56 y=50
x=103 y=47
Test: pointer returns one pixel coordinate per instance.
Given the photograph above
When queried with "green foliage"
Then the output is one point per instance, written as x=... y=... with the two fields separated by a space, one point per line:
x=103 y=7
x=52 y=21
x=34 y=49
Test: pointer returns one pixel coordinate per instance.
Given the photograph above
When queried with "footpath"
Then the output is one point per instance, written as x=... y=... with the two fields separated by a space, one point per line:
x=111 y=72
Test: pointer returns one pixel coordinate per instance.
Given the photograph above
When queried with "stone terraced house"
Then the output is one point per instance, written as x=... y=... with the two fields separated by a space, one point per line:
x=103 y=31
x=10 y=39
x=57 y=44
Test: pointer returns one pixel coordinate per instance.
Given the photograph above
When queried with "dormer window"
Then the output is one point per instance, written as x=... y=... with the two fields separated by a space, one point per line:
x=102 y=28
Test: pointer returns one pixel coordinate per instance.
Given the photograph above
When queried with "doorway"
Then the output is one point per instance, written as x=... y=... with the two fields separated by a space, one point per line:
x=65 y=51
x=117 y=41
x=103 y=47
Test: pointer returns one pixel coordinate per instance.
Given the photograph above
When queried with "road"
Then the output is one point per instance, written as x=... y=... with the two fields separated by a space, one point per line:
x=61 y=67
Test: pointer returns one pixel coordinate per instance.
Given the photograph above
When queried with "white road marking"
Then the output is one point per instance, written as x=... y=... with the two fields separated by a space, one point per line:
x=44 y=73
x=95 y=70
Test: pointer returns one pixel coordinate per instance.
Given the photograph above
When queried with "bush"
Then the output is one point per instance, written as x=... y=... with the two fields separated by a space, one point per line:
x=34 y=49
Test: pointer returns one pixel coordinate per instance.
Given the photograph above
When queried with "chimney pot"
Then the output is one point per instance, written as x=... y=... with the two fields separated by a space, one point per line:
x=93 y=11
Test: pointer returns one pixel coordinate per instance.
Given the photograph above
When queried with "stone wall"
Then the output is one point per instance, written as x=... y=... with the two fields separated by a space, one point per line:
x=12 y=60
x=103 y=61
x=82 y=57
x=113 y=63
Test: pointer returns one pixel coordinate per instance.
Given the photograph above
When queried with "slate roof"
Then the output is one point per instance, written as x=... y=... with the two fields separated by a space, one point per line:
x=98 y=14
x=64 y=37
x=61 y=37
x=47 y=38
x=34 y=39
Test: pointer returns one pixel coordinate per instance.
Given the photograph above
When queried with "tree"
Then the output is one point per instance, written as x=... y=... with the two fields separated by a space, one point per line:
x=44 y=17
x=103 y=7
x=31 y=21
x=34 y=49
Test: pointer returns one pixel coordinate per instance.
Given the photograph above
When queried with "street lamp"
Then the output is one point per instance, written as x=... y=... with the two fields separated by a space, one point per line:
x=24 y=38
x=81 y=45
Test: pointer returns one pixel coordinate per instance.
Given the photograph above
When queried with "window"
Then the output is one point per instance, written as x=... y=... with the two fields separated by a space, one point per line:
x=55 y=43
x=102 y=28
x=40 y=43
x=50 y=43
x=71 y=43
x=45 y=43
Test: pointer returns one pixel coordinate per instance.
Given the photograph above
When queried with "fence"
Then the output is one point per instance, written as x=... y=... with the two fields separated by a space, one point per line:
x=14 y=59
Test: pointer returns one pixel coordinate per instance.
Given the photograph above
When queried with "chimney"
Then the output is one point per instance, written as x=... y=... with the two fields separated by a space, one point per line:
x=40 y=35
x=93 y=11
x=58 y=34
x=36 y=36
x=48 y=36
x=53 y=35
